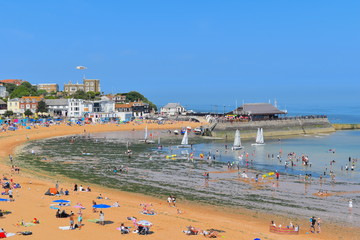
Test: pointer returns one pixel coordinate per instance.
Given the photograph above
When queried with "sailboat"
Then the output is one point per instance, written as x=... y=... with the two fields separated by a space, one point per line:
x=146 y=140
x=185 y=141
x=259 y=138
x=237 y=141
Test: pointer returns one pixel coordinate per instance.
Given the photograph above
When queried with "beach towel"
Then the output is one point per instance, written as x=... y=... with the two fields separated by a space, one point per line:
x=65 y=228
x=145 y=213
x=94 y=220
x=10 y=234
x=53 y=207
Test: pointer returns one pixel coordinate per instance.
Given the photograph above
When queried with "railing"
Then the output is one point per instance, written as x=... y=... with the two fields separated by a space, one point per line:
x=224 y=120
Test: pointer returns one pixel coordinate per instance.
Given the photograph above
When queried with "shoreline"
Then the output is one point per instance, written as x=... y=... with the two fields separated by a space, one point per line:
x=203 y=214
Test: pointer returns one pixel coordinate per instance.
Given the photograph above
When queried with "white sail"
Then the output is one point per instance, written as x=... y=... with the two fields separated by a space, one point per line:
x=261 y=140
x=237 y=140
x=146 y=133
x=159 y=141
x=258 y=136
x=185 y=139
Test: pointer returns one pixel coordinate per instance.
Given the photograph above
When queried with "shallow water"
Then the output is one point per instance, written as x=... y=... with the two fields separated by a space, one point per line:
x=150 y=172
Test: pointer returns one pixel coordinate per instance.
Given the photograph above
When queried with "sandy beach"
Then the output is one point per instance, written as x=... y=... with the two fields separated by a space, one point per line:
x=30 y=202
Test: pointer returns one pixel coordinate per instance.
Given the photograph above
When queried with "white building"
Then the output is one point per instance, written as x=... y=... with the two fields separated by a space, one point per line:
x=3 y=92
x=172 y=109
x=57 y=107
x=76 y=108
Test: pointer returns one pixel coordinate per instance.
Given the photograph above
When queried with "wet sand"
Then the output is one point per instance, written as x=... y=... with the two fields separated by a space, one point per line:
x=31 y=202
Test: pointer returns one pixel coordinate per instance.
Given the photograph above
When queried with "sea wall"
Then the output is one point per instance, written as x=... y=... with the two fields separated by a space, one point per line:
x=273 y=128
x=346 y=126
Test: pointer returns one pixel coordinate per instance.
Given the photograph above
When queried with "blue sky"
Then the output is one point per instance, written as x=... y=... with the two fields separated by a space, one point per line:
x=198 y=53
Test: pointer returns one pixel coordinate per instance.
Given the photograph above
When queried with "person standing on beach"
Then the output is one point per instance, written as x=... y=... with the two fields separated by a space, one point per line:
x=10 y=192
x=312 y=226
x=80 y=219
x=75 y=187
x=102 y=218
x=277 y=175
x=318 y=225
x=71 y=221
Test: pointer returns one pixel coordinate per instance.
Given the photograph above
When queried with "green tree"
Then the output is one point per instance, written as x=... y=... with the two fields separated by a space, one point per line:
x=28 y=113
x=80 y=94
x=10 y=87
x=135 y=96
x=41 y=107
x=8 y=113
x=42 y=92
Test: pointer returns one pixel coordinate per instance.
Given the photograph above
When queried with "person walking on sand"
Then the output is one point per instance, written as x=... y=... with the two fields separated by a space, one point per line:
x=312 y=226
x=71 y=221
x=80 y=220
x=102 y=218
x=319 y=225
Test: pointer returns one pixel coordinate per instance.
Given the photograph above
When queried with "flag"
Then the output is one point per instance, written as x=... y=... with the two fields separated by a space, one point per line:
x=81 y=67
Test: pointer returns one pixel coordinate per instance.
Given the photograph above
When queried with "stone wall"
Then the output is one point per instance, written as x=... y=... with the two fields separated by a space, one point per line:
x=274 y=128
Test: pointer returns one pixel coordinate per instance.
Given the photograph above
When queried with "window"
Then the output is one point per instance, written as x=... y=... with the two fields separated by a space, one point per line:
x=92 y=84
x=27 y=106
x=87 y=84
x=92 y=89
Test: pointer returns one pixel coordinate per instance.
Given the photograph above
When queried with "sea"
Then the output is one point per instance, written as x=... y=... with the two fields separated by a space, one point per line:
x=323 y=188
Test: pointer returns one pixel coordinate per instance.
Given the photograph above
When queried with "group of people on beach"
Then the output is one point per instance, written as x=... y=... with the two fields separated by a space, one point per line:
x=171 y=201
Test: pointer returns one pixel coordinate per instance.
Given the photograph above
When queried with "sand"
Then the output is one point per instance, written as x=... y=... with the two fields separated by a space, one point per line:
x=31 y=202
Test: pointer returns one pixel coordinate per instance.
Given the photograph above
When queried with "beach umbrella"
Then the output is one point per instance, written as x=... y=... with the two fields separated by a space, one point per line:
x=4 y=199
x=61 y=201
x=144 y=223
x=101 y=206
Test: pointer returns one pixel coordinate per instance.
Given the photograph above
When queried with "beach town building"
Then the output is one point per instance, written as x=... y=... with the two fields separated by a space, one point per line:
x=92 y=85
x=172 y=109
x=13 y=105
x=258 y=111
x=76 y=108
x=88 y=85
x=57 y=107
x=71 y=88
x=17 y=82
x=140 y=109
x=3 y=107
x=3 y=92
x=48 y=87
x=117 y=98
x=123 y=107
x=30 y=103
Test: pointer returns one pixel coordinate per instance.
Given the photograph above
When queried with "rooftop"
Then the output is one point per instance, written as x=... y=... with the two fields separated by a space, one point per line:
x=258 y=109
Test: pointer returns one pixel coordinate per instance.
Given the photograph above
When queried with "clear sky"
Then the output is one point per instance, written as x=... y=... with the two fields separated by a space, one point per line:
x=198 y=53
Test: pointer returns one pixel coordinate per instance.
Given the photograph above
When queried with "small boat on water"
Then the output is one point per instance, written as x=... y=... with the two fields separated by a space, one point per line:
x=237 y=141
x=198 y=131
x=259 y=138
x=146 y=140
x=185 y=141
x=176 y=132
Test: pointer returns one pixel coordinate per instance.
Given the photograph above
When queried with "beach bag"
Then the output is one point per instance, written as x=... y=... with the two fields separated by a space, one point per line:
x=26 y=233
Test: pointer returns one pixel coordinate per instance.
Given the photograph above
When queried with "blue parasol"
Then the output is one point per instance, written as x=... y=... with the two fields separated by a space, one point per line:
x=61 y=201
x=4 y=199
x=101 y=206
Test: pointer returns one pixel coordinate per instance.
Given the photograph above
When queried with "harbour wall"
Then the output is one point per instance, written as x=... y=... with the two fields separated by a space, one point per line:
x=346 y=126
x=272 y=128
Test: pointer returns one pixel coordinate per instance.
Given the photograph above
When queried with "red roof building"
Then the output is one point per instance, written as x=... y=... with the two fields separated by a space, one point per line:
x=17 y=82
